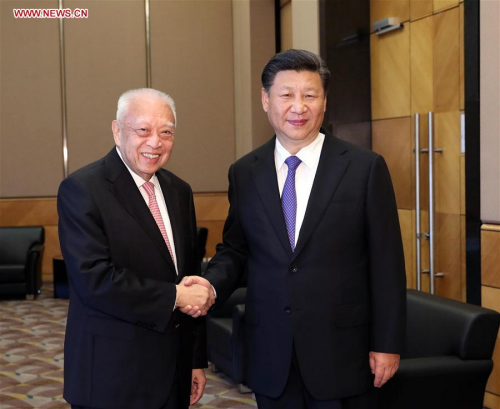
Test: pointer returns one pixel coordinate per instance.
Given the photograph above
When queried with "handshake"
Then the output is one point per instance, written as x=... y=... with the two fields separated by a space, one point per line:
x=195 y=296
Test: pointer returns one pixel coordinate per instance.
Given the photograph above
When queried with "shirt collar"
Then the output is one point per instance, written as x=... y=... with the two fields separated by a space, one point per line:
x=309 y=154
x=137 y=179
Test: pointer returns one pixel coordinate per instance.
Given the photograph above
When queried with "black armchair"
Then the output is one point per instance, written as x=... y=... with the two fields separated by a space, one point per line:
x=226 y=339
x=447 y=361
x=21 y=250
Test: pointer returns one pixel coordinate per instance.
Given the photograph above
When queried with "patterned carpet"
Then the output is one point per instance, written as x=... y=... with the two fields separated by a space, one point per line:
x=31 y=358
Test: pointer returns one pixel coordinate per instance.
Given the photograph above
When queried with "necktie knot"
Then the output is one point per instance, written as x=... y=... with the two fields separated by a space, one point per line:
x=149 y=187
x=293 y=163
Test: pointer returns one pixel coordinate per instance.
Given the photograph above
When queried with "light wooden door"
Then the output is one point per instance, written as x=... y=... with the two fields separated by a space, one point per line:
x=433 y=52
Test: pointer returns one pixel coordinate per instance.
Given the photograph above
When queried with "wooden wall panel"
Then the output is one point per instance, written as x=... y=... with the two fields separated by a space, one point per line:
x=447 y=252
x=447 y=164
x=30 y=129
x=440 y=5
x=380 y=9
x=420 y=8
x=192 y=60
x=491 y=299
x=422 y=57
x=447 y=61
x=490 y=255
x=462 y=59
x=390 y=74
x=211 y=212
x=105 y=56
x=391 y=139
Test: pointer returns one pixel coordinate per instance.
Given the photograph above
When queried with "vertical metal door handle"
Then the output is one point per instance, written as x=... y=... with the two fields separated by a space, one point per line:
x=431 y=205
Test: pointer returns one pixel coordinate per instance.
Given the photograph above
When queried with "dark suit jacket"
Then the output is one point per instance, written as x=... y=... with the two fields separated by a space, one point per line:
x=124 y=343
x=341 y=293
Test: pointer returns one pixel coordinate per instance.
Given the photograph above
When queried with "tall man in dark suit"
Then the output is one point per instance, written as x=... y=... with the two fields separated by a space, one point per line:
x=128 y=236
x=313 y=220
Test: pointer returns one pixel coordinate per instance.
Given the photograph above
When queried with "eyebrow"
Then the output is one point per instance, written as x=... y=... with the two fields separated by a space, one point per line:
x=144 y=121
x=289 y=87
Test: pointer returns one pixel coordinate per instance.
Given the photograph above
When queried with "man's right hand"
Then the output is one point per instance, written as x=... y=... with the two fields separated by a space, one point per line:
x=194 y=296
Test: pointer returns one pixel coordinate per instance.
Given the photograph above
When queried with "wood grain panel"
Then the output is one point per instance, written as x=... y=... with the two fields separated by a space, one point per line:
x=447 y=253
x=211 y=206
x=463 y=258
x=462 y=183
x=211 y=212
x=424 y=162
x=491 y=401
x=462 y=60
x=447 y=163
x=420 y=8
x=52 y=249
x=447 y=61
x=491 y=299
x=422 y=57
x=28 y=212
x=424 y=248
x=380 y=9
x=390 y=74
x=440 y=5
x=391 y=139
x=490 y=258
x=406 y=223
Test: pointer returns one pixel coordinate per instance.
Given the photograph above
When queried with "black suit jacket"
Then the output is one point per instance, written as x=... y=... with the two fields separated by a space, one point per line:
x=341 y=293
x=124 y=342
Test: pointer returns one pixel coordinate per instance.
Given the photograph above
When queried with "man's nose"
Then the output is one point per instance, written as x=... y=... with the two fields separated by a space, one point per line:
x=154 y=140
x=299 y=107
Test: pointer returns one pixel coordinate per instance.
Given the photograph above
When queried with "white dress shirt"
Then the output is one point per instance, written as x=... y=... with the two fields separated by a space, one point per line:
x=160 y=199
x=304 y=175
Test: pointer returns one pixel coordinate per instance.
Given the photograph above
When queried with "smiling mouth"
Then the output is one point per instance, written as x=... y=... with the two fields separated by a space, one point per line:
x=150 y=155
x=298 y=122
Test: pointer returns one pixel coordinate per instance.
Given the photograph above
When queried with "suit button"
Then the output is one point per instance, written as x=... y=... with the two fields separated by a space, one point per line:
x=176 y=325
x=288 y=310
x=293 y=268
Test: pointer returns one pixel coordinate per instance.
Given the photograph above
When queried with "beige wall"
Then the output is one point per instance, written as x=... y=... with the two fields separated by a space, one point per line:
x=300 y=25
x=192 y=58
x=490 y=109
x=490 y=175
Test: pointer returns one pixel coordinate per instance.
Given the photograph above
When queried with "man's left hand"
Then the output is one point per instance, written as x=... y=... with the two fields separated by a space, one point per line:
x=198 y=383
x=383 y=366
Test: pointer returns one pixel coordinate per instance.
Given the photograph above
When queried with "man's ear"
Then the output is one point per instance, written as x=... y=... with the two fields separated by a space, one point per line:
x=115 y=127
x=324 y=105
x=265 y=99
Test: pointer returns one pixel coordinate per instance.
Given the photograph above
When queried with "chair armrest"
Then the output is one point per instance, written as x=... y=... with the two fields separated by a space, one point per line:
x=438 y=326
x=32 y=270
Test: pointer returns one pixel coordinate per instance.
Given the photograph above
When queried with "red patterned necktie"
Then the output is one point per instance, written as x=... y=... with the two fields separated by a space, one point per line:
x=155 y=211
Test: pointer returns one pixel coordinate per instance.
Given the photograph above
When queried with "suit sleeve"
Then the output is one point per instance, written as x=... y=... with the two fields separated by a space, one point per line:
x=227 y=267
x=386 y=262
x=118 y=292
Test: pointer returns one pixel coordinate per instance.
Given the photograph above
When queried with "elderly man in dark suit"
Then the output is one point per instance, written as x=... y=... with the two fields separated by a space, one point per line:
x=128 y=236
x=313 y=221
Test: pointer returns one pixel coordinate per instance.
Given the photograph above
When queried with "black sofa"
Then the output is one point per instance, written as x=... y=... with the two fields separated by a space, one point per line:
x=21 y=250
x=446 y=362
x=448 y=355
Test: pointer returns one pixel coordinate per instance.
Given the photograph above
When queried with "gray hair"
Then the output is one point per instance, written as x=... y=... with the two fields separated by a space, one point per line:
x=128 y=96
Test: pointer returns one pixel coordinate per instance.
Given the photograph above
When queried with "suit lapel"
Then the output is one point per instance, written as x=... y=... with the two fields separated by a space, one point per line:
x=125 y=190
x=266 y=182
x=331 y=169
